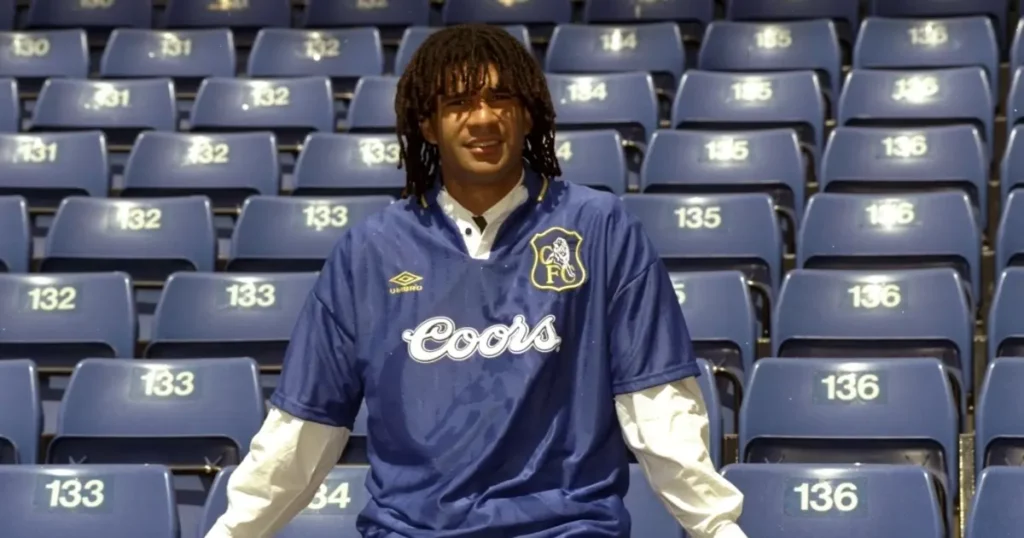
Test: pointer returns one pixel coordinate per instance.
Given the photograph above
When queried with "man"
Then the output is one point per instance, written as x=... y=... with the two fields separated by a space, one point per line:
x=507 y=331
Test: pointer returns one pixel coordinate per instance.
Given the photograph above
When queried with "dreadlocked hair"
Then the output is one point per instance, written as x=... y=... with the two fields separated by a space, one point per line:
x=459 y=57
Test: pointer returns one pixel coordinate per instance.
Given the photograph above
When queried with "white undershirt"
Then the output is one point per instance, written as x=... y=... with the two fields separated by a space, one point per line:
x=665 y=426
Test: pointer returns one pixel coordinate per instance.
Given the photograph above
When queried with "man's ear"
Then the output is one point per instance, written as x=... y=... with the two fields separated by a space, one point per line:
x=427 y=130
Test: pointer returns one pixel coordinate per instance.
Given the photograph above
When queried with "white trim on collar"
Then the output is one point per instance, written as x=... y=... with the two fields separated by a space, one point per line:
x=497 y=213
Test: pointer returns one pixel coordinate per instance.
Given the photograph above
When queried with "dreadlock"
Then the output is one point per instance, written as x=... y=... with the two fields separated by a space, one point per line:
x=459 y=56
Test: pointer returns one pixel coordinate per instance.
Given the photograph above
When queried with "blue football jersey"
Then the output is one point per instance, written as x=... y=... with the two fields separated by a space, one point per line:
x=490 y=384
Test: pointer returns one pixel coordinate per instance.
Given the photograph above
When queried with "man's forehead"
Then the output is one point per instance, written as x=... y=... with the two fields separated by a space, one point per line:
x=482 y=77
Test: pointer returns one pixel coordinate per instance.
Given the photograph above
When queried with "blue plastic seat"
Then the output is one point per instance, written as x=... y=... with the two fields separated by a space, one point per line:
x=21 y=423
x=148 y=238
x=31 y=57
x=228 y=315
x=46 y=167
x=503 y=12
x=740 y=46
x=696 y=162
x=624 y=101
x=58 y=319
x=331 y=513
x=1011 y=169
x=885 y=43
x=187 y=412
x=994 y=9
x=1000 y=436
x=120 y=108
x=838 y=501
x=583 y=48
x=994 y=511
x=901 y=98
x=592 y=158
x=10 y=108
x=373 y=105
x=87 y=501
x=1017 y=47
x=16 y=241
x=99 y=14
x=906 y=159
x=892 y=411
x=227 y=168
x=698 y=12
x=713 y=403
x=414 y=36
x=226 y=13
x=647 y=512
x=1009 y=241
x=380 y=13
x=753 y=100
x=1015 y=100
x=6 y=14
x=342 y=55
x=277 y=233
x=370 y=163
x=186 y=56
x=880 y=313
x=863 y=231
x=719 y=316
x=1005 y=323
x=847 y=11
x=290 y=107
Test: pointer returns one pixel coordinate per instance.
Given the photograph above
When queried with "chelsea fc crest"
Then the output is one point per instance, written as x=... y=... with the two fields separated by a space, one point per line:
x=557 y=265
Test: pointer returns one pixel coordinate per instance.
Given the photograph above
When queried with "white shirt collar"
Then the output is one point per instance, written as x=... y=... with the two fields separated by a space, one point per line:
x=495 y=215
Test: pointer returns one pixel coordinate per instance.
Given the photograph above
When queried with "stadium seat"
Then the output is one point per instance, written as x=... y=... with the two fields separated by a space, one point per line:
x=186 y=412
x=994 y=510
x=713 y=402
x=901 y=98
x=715 y=231
x=864 y=231
x=291 y=107
x=893 y=410
x=380 y=13
x=926 y=43
x=838 y=501
x=6 y=14
x=370 y=163
x=276 y=233
x=698 y=162
x=120 y=108
x=342 y=55
x=503 y=12
x=332 y=512
x=752 y=100
x=91 y=14
x=373 y=105
x=1017 y=47
x=57 y=319
x=31 y=57
x=592 y=158
x=186 y=56
x=87 y=501
x=1009 y=240
x=647 y=512
x=148 y=238
x=1015 y=101
x=21 y=422
x=46 y=167
x=1005 y=323
x=905 y=159
x=413 y=37
x=226 y=14
x=698 y=12
x=719 y=316
x=624 y=101
x=227 y=168
x=1000 y=435
x=864 y=313
x=994 y=9
x=10 y=108
x=774 y=46
x=583 y=48
x=16 y=241
x=228 y=315
x=1011 y=169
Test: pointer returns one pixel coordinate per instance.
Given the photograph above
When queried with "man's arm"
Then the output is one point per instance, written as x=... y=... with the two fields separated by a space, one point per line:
x=287 y=461
x=666 y=426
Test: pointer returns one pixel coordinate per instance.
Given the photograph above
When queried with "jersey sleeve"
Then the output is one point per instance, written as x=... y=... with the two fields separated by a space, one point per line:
x=650 y=344
x=320 y=380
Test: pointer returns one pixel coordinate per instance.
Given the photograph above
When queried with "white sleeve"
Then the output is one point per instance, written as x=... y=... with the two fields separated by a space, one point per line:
x=287 y=461
x=667 y=428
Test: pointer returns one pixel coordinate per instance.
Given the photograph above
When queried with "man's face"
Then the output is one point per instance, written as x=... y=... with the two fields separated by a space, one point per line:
x=479 y=134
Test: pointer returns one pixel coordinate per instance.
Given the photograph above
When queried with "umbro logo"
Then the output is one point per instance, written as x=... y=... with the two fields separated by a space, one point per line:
x=405 y=282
